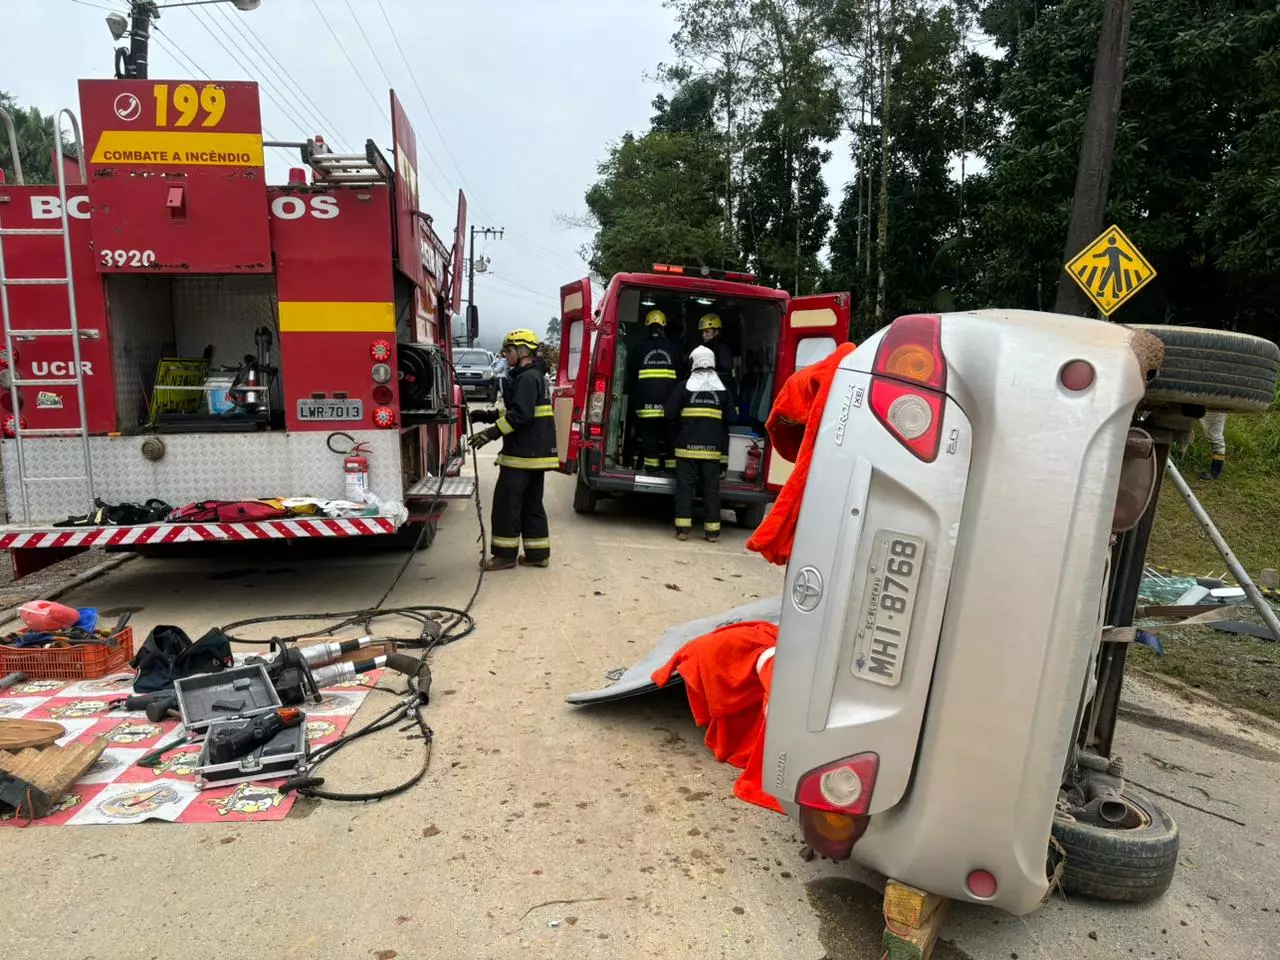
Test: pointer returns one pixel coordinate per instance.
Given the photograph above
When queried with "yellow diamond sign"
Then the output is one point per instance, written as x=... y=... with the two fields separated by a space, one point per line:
x=1111 y=270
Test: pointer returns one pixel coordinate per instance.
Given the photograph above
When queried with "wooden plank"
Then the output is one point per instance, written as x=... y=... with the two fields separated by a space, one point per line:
x=912 y=921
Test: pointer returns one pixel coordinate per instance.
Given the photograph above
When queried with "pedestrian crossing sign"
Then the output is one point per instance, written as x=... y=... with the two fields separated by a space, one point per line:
x=1111 y=270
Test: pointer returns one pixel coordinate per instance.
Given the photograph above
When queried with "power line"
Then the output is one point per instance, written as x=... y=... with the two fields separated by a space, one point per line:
x=290 y=115
x=285 y=79
x=382 y=107
x=540 y=301
x=514 y=283
x=188 y=63
x=96 y=6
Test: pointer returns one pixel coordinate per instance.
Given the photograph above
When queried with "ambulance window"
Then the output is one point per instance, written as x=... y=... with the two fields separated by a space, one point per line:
x=575 y=348
x=812 y=349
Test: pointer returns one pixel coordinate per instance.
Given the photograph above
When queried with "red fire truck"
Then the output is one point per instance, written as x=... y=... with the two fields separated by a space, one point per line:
x=178 y=330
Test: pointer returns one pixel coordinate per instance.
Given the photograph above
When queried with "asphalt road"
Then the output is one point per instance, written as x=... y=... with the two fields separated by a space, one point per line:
x=600 y=833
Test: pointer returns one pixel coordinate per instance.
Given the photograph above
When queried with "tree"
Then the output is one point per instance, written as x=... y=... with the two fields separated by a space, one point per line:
x=553 y=331
x=36 y=136
x=659 y=196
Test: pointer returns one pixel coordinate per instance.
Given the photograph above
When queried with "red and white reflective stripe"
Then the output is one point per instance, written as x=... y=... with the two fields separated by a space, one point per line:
x=195 y=533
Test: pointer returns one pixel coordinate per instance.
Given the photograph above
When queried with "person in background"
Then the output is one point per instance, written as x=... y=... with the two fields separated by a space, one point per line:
x=1214 y=424
x=699 y=409
x=653 y=371
x=711 y=327
x=528 y=432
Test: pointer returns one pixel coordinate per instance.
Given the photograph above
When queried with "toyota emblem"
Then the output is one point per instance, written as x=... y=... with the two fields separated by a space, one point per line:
x=806 y=591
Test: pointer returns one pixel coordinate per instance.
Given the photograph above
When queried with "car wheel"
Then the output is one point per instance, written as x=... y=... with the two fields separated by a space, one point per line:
x=1132 y=862
x=1216 y=369
x=750 y=515
x=584 y=498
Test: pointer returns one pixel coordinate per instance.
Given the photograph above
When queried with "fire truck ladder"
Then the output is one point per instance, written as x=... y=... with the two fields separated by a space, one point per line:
x=25 y=480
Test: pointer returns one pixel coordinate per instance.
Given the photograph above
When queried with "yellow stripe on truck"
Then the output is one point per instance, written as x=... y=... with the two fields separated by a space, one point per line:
x=337 y=316
x=179 y=148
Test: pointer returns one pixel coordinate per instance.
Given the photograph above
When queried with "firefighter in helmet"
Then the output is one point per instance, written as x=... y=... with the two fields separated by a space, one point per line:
x=700 y=410
x=528 y=432
x=654 y=369
x=711 y=327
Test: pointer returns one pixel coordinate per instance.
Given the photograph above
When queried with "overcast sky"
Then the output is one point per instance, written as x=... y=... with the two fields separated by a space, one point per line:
x=526 y=95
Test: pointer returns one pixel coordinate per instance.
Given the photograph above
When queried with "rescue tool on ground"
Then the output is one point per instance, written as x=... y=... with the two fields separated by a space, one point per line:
x=179 y=331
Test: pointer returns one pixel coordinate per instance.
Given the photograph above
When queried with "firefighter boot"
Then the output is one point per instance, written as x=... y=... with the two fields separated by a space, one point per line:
x=499 y=563
x=1215 y=469
x=526 y=562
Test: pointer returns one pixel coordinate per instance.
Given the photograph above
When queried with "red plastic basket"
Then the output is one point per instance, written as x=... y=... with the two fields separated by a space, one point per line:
x=87 y=661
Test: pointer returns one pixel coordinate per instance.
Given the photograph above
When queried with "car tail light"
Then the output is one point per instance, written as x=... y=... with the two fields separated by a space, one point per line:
x=833 y=804
x=384 y=418
x=380 y=351
x=595 y=407
x=382 y=394
x=11 y=426
x=981 y=884
x=909 y=383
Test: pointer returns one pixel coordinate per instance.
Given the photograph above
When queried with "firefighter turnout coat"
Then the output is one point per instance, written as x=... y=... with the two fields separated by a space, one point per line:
x=702 y=423
x=527 y=426
x=655 y=370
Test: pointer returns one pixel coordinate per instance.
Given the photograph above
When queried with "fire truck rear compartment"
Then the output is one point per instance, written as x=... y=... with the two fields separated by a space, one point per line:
x=158 y=317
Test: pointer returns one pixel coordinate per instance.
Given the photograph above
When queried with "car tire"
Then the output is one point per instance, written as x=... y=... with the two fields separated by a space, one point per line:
x=584 y=498
x=750 y=515
x=1130 y=864
x=1216 y=369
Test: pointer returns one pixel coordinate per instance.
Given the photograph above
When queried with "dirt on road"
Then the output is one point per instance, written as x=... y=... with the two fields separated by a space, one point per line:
x=601 y=833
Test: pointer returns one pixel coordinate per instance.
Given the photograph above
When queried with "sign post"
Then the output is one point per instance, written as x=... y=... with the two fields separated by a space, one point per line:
x=1110 y=270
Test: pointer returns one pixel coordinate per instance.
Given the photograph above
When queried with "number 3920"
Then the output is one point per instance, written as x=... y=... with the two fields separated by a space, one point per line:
x=127 y=258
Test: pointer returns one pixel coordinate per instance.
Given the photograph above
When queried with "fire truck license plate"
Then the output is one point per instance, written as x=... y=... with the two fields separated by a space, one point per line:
x=330 y=409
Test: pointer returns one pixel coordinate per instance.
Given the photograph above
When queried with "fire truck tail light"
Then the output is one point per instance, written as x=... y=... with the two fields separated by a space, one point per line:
x=380 y=351
x=384 y=418
x=8 y=428
x=382 y=394
x=381 y=373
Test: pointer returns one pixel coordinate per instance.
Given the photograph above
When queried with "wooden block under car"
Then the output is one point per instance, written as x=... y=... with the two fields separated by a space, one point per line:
x=912 y=921
x=33 y=781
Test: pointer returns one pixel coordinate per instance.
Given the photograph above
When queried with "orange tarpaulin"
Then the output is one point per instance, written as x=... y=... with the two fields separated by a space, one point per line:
x=793 y=427
x=727 y=673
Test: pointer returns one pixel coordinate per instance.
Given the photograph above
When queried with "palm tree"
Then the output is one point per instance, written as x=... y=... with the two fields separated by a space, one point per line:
x=36 y=139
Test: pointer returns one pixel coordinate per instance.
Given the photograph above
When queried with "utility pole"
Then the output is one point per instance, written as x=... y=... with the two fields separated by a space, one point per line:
x=471 y=283
x=1097 y=148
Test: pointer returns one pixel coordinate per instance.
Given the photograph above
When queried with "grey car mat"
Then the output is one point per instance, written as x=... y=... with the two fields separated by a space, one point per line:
x=636 y=680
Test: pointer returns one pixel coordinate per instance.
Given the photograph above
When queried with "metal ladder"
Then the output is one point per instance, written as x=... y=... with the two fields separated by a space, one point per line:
x=72 y=331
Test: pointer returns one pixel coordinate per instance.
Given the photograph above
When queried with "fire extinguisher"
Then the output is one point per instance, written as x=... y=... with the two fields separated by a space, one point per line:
x=755 y=455
x=355 y=473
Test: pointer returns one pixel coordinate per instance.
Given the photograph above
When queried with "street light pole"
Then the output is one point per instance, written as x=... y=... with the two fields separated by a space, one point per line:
x=133 y=63
x=1097 y=148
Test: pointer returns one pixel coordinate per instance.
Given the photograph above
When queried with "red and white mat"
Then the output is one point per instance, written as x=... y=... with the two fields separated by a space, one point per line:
x=13 y=538
x=114 y=790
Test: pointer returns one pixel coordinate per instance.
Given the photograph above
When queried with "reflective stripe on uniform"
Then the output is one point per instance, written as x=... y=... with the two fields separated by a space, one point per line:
x=504 y=427
x=712 y=526
x=671 y=463
x=528 y=463
x=544 y=410
x=711 y=413
x=659 y=374
x=510 y=542
x=646 y=414
x=652 y=462
x=537 y=543
x=694 y=454
x=682 y=522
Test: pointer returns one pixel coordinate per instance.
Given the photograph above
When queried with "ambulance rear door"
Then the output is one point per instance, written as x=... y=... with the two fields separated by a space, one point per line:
x=569 y=392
